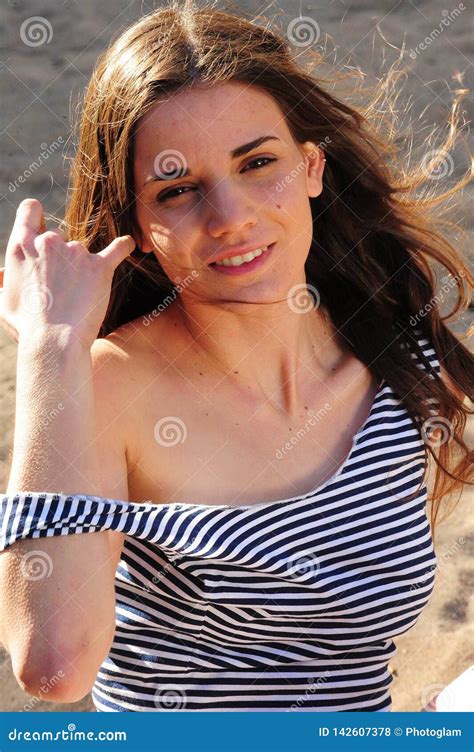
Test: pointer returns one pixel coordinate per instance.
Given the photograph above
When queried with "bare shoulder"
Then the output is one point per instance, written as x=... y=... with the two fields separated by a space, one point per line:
x=117 y=347
x=135 y=341
x=116 y=365
x=125 y=364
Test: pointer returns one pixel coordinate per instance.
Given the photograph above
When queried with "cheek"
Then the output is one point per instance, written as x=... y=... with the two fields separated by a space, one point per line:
x=154 y=230
x=172 y=249
x=287 y=192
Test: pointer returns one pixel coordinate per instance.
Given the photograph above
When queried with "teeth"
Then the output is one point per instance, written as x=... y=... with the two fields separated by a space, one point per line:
x=238 y=260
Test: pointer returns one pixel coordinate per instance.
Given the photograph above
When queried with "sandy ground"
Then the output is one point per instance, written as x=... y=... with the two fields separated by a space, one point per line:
x=40 y=86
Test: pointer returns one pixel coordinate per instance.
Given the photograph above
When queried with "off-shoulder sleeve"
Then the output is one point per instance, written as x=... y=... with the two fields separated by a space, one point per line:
x=38 y=515
x=428 y=351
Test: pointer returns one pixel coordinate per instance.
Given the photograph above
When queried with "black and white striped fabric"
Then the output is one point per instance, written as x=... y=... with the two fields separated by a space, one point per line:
x=278 y=606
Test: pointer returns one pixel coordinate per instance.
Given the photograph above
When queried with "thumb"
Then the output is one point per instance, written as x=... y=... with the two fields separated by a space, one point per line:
x=118 y=250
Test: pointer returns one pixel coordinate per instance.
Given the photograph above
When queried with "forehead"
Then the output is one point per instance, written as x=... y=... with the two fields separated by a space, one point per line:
x=209 y=117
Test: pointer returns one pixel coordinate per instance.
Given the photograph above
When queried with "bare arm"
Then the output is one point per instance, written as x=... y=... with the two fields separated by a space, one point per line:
x=60 y=625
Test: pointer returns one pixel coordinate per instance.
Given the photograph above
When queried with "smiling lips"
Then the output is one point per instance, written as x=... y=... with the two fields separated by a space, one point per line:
x=243 y=264
x=245 y=258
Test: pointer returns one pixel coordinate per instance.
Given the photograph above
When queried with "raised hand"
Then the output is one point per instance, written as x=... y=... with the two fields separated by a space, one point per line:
x=51 y=285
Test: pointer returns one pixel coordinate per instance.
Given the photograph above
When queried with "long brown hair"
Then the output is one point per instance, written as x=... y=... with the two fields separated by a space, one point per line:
x=376 y=232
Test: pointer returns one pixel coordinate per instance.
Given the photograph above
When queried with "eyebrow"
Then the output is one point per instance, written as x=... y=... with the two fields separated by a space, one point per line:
x=239 y=151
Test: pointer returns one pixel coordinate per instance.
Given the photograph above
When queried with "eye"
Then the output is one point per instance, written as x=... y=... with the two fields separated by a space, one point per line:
x=259 y=159
x=172 y=192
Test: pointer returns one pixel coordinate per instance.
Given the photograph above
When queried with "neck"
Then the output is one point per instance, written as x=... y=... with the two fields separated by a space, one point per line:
x=269 y=349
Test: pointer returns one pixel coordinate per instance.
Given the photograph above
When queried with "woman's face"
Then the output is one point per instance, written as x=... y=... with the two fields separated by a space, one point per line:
x=225 y=201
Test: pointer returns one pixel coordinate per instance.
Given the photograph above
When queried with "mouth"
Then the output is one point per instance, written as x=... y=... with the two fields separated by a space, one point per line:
x=246 y=266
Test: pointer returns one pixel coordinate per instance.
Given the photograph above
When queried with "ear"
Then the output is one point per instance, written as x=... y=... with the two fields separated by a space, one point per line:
x=315 y=161
x=142 y=244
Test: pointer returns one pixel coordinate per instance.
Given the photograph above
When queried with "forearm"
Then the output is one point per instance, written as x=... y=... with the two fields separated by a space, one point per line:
x=57 y=601
x=64 y=619
x=54 y=447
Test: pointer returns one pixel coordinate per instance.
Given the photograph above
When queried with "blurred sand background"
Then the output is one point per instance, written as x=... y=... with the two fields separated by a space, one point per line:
x=40 y=87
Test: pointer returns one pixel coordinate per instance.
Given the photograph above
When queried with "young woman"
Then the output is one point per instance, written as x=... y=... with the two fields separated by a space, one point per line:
x=242 y=407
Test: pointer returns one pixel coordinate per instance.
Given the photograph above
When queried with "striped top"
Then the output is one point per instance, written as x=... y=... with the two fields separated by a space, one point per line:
x=282 y=605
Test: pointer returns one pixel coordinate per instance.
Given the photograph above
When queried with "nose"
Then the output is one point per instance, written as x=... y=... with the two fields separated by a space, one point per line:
x=229 y=211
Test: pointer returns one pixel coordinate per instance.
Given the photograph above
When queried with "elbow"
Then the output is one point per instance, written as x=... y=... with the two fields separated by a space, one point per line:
x=52 y=686
x=54 y=676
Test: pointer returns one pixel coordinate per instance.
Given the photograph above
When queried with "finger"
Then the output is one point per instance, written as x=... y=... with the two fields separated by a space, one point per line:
x=30 y=216
x=29 y=222
x=59 y=233
x=118 y=250
x=50 y=238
